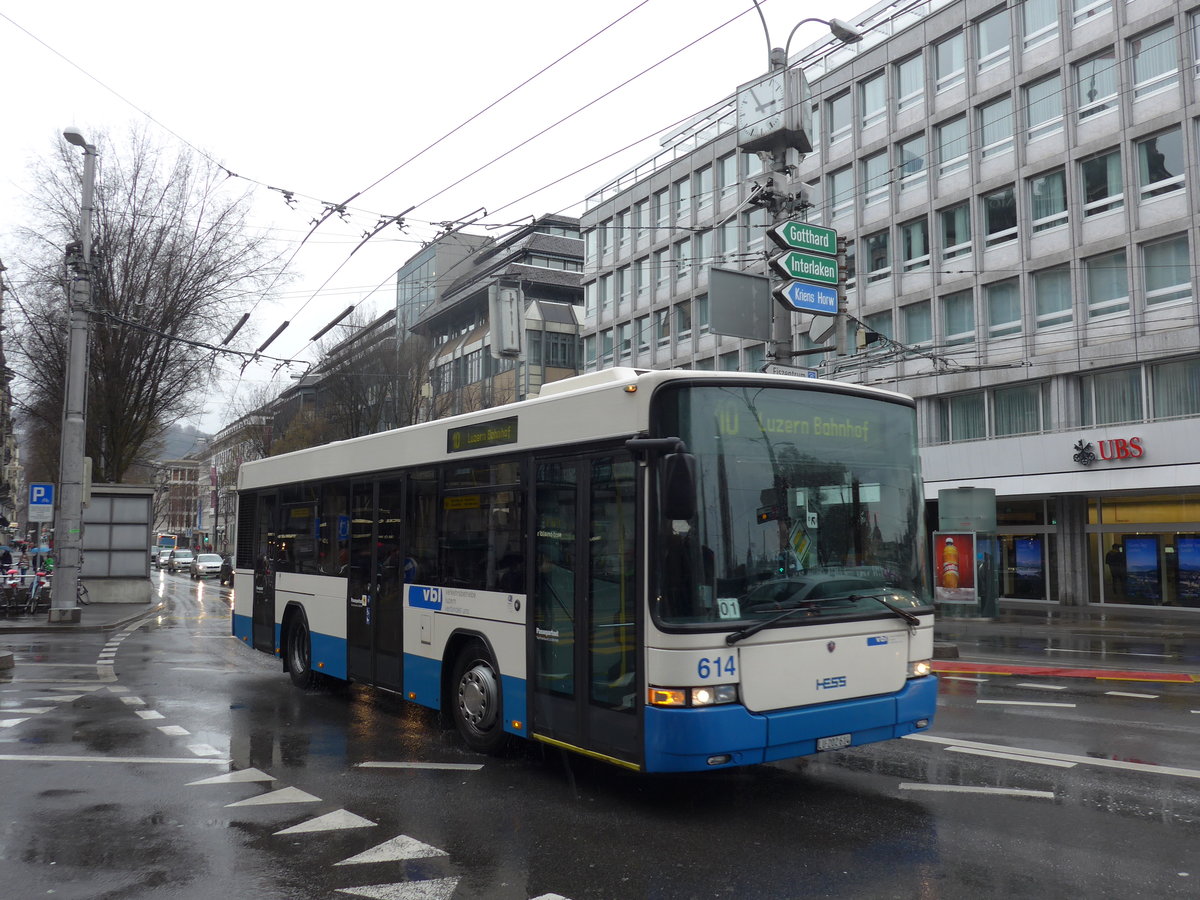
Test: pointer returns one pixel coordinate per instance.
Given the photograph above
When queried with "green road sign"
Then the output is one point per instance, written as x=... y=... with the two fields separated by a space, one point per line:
x=802 y=236
x=806 y=267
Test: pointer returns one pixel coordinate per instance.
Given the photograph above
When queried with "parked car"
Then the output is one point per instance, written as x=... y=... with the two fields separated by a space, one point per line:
x=205 y=564
x=179 y=560
x=161 y=560
x=226 y=574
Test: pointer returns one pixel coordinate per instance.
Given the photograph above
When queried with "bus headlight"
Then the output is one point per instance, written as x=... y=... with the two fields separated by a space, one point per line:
x=697 y=696
x=920 y=668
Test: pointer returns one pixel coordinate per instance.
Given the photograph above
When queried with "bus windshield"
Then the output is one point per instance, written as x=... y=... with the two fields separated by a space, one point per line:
x=808 y=499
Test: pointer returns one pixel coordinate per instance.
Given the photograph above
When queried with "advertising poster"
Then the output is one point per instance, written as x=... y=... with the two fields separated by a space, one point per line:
x=1187 y=550
x=1142 y=577
x=954 y=567
x=1029 y=576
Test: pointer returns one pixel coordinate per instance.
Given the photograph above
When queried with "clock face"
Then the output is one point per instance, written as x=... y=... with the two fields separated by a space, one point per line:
x=760 y=107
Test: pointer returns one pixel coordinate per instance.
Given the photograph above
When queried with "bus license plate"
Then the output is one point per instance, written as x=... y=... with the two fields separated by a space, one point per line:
x=837 y=742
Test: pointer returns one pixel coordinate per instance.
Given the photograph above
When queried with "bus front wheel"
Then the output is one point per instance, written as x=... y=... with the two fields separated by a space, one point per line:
x=299 y=655
x=476 y=700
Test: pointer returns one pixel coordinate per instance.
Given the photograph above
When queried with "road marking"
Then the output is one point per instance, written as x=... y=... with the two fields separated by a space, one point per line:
x=117 y=689
x=237 y=777
x=64 y=698
x=149 y=714
x=133 y=701
x=203 y=669
x=135 y=760
x=1145 y=768
x=457 y=767
x=1013 y=756
x=283 y=795
x=398 y=848
x=1026 y=703
x=1042 y=687
x=334 y=821
x=204 y=749
x=173 y=730
x=434 y=889
x=27 y=710
x=968 y=789
x=9 y=723
x=1131 y=694
x=963 y=678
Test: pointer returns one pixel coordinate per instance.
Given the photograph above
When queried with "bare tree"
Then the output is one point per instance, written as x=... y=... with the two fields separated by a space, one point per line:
x=172 y=256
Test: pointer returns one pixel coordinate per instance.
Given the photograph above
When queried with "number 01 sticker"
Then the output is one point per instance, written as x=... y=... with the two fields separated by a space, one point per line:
x=729 y=608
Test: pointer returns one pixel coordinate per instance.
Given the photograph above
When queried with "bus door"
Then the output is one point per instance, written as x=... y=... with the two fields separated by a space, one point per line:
x=262 y=613
x=585 y=611
x=374 y=603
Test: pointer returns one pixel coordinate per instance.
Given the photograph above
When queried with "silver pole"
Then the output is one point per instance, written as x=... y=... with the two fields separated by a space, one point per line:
x=68 y=529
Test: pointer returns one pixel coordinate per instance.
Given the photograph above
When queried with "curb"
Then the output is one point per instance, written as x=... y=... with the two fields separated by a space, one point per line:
x=49 y=628
x=967 y=668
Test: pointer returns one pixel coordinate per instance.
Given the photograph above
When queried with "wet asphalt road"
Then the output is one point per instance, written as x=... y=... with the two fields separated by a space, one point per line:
x=116 y=754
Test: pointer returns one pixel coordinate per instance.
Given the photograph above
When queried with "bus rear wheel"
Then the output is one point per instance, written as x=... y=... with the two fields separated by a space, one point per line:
x=299 y=655
x=476 y=703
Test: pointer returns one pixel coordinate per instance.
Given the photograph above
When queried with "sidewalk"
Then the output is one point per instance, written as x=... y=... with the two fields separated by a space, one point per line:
x=1119 y=643
x=95 y=617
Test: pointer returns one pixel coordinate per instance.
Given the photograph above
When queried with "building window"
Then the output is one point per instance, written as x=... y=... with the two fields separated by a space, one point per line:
x=641 y=281
x=952 y=145
x=625 y=340
x=992 y=37
x=641 y=223
x=683 y=198
x=727 y=241
x=606 y=295
x=752 y=165
x=624 y=289
x=841 y=117
x=879 y=260
x=872 y=95
x=956 y=230
x=841 y=190
x=963 y=417
x=604 y=238
x=1175 y=389
x=914 y=244
x=641 y=328
x=1052 y=297
x=1044 y=107
x=754 y=230
x=1096 y=84
x=910 y=159
x=589 y=299
x=996 y=126
x=624 y=234
x=1107 y=284
x=683 y=320
x=590 y=252
x=662 y=210
x=918 y=323
x=1048 y=200
x=1166 y=269
x=910 y=81
x=1000 y=217
x=1155 y=60
x=1019 y=409
x=606 y=348
x=704 y=188
x=662 y=268
x=727 y=175
x=1039 y=21
x=958 y=317
x=950 y=61
x=662 y=327
x=702 y=323
x=1003 y=308
x=881 y=324
x=1111 y=398
x=683 y=259
x=1102 y=184
x=1160 y=163
x=875 y=177
x=729 y=362
x=1082 y=10
x=704 y=251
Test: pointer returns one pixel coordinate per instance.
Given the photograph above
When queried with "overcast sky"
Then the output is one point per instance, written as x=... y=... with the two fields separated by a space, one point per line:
x=325 y=99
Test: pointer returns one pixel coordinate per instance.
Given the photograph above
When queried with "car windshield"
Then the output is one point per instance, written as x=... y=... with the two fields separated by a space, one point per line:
x=808 y=499
x=208 y=558
x=183 y=554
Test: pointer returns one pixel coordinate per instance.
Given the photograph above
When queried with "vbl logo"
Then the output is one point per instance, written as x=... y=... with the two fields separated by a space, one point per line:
x=425 y=597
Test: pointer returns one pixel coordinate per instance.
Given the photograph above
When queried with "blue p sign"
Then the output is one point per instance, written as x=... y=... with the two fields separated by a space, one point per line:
x=41 y=494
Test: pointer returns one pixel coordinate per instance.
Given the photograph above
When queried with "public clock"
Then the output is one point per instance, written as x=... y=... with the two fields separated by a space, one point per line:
x=761 y=108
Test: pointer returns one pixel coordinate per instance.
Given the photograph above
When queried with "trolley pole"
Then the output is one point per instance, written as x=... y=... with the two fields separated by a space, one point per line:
x=68 y=530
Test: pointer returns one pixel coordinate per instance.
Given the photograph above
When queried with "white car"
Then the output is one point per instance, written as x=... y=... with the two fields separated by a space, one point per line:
x=162 y=558
x=205 y=564
x=179 y=560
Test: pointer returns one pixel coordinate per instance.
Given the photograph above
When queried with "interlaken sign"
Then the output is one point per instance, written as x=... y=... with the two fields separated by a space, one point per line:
x=809 y=266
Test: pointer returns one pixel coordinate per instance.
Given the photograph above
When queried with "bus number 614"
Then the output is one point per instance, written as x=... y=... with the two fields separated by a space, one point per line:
x=717 y=667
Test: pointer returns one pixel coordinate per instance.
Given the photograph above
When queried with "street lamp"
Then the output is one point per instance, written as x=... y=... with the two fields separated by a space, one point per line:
x=68 y=529
x=776 y=115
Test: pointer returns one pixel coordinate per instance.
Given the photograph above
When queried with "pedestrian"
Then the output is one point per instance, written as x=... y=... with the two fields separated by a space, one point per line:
x=5 y=558
x=23 y=561
x=1115 y=558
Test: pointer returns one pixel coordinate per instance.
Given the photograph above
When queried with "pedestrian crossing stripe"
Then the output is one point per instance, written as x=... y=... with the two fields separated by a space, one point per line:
x=398 y=848
x=283 y=795
x=9 y=723
x=434 y=889
x=242 y=775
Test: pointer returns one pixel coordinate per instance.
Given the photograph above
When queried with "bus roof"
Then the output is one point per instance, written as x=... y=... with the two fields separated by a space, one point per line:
x=596 y=406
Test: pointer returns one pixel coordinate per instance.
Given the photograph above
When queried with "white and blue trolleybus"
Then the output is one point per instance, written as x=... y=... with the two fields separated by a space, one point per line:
x=667 y=570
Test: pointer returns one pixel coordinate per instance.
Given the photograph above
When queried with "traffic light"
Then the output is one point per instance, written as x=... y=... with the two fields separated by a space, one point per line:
x=864 y=336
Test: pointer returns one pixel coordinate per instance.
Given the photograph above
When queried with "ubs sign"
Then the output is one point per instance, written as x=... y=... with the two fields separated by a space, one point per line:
x=1109 y=450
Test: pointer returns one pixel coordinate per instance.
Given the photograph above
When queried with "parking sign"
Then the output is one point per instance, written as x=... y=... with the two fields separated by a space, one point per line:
x=41 y=502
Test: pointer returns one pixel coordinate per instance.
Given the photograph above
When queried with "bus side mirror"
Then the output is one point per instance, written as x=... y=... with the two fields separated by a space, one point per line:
x=677 y=485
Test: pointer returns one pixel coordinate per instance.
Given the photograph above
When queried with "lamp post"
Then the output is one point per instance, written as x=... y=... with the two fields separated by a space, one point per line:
x=68 y=529
x=779 y=200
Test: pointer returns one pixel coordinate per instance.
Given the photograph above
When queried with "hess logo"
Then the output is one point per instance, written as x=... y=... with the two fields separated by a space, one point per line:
x=831 y=682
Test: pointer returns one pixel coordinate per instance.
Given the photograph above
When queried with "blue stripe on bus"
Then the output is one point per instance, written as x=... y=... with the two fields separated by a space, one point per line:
x=242 y=627
x=328 y=654
x=423 y=685
x=683 y=740
x=514 y=704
